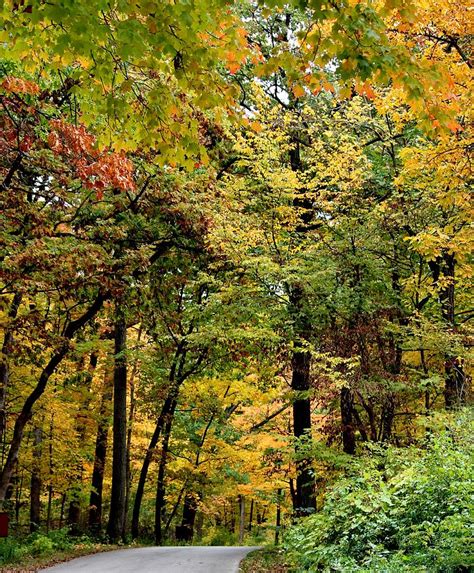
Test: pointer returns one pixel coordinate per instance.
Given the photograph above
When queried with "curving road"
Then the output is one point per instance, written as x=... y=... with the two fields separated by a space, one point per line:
x=159 y=560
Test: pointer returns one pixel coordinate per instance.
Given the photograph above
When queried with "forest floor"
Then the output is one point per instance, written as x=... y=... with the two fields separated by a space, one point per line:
x=270 y=560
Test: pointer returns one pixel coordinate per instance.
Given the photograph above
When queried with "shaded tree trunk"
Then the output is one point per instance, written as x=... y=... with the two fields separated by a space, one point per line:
x=252 y=503
x=387 y=417
x=27 y=410
x=166 y=410
x=160 y=487
x=278 y=517
x=116 y=523
x=242 y=519
x=177 y=376
x=455 y=377
x=131 y=418
x=51 y=473
x=185 y=531
x=36 y=482
x=301 y=384
x=74 y=510
x=347 y=409
x=4 y=370
x=100 y=455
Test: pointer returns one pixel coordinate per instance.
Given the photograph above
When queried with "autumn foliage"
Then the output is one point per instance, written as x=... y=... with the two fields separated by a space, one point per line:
x=236 y=272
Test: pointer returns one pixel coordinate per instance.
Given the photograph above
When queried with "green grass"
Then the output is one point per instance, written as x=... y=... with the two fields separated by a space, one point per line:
x=269 y=560
x=41 y=550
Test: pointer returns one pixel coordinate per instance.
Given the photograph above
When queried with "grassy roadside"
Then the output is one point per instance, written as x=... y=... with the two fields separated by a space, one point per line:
x=269 y=560
x=30 y=563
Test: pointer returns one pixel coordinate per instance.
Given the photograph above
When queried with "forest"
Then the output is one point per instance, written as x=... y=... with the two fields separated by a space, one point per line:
x=236 y=280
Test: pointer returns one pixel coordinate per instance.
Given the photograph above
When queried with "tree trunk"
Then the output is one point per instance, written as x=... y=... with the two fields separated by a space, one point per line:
x=455 y=390
x=36 y=482
x=95 y=501
x=74 y=511
x=278 y=517
x=51 y=473
x=27 y=410
x=455 y=377
x=160 y=487
x=300 y=383
x=116 y=524
x=251 y=515
x=242 y=519
x=347 y=408
x=387 y=417
x=4 y=370
x=185 y=531
x=167 y=408
x=131 y=418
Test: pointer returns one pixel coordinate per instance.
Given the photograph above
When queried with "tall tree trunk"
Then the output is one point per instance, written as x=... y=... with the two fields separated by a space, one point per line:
x=4 y=370
x=185 y=531
x=95 y=502
x=386 y=418
x=301 y=385
x=455 y=377
x=347 y=409
x=116 y=524
x=242 y=519
x=167 y=409
x=160 y=486
x=36 y=482
x=131 y=418
x=27 y=410
x=301 y=361
x=74 y=511
x=51 y=473
x=278 y=517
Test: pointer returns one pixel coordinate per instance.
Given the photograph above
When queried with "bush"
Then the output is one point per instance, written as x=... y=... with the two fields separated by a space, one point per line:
x=220 y=536
x=401 y=510
x=39 y=545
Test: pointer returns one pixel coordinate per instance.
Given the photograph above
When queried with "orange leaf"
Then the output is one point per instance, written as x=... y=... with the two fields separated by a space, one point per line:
x=298 y=91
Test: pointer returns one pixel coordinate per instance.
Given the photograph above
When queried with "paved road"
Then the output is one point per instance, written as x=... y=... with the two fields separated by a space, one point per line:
x=159 y=560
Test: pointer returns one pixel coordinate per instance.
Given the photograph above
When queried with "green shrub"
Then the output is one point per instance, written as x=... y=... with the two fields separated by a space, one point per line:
x=220 y=536
x=39 y=545
x=42 y=545
x=400 y=510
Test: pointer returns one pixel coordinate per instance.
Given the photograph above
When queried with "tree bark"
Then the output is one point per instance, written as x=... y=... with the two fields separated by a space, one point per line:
x=116 y=523
x=36 y=482
x=251 y=515
x=167 y=408
x=301 y=384
x=242 y=519
x=131 y=418
x=160 y=486
x=74 y=510
x=27 y=410
x=51 y=473
x=95 y=501
x=347 y=409
x=387 y=417
x=278 y=517
x=4 y=369
x=185 y=531
x=455 y=378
